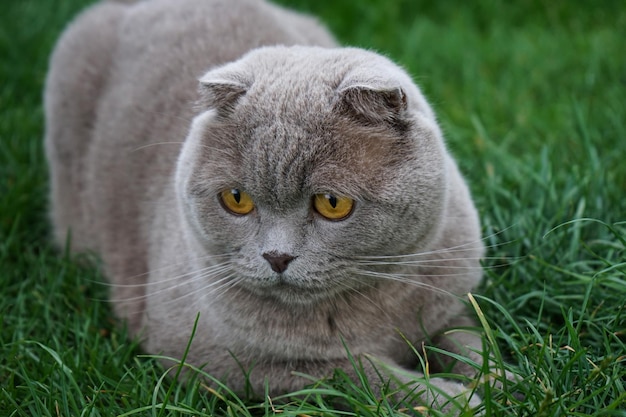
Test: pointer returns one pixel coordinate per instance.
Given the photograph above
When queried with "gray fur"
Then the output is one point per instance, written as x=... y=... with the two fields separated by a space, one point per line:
x=139 y=151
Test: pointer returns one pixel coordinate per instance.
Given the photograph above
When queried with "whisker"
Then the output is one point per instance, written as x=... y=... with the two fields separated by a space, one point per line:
x=369 y=300
x=161 y=269
x=459 y=274
x=177 y=285
x=454 y=249
x=156 y=144
x=399 y=278
x=429 y=262
x=213 y=268
x=218 y=292
x=223 y=282
x=458 y=248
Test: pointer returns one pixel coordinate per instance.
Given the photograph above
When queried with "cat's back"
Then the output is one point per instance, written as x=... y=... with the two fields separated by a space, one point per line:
x=190 y=36
x=141 y=48
x=120 y=96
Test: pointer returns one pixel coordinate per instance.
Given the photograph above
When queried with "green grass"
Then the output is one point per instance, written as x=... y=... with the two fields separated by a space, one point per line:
x=532 y=98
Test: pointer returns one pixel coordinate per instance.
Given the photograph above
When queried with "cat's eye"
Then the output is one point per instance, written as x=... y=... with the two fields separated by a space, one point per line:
x=333 y=207
x=236 y=201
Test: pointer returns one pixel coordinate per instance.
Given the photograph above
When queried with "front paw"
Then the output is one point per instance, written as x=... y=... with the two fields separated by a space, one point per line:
x=499 y=379
x=424 y=393
x=440 y=394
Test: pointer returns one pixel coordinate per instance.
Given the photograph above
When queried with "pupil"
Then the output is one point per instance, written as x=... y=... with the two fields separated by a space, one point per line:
x=332 y=200
x=236 y=195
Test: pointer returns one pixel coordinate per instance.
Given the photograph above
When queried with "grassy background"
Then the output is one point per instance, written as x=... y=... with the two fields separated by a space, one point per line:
x=532 y=98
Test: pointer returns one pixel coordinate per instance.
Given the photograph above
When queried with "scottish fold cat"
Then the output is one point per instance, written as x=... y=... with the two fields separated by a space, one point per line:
x=226 y=158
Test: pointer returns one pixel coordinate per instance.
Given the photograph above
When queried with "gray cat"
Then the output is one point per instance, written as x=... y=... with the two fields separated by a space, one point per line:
x=298 y=198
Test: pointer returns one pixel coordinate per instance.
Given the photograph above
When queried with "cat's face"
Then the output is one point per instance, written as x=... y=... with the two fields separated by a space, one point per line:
x=300 y=170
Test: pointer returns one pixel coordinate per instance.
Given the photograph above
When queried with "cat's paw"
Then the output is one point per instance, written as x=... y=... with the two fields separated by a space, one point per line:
x=501 y=380
x=451 y=397
x=444 y=395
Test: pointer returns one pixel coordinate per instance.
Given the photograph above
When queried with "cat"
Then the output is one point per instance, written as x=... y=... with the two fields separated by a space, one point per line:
x=228 y=159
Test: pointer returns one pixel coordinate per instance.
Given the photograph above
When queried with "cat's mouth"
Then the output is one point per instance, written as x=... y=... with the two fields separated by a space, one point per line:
x=283 y=281
x=289 y=289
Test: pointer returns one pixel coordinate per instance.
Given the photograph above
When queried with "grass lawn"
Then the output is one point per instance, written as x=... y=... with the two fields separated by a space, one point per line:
x=532 y=98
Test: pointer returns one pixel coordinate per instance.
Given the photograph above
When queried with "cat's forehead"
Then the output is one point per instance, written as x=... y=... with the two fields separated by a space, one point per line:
x=305 y=100
x=286 y=162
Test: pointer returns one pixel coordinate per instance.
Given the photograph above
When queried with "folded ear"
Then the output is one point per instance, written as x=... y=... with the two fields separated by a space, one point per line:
x=221 y=91
x=375 y=105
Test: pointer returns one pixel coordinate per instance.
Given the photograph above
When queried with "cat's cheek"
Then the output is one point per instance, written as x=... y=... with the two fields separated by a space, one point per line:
x=362 y=233
x=218 y=229
x=358 y=235
x=326 y=232
x=234 y=231
x=389 y=228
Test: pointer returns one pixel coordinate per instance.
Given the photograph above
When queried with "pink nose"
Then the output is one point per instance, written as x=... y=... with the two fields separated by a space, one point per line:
x=278 y=261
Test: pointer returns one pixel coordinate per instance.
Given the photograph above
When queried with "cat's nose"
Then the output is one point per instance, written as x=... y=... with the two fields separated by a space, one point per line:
x=278 y=261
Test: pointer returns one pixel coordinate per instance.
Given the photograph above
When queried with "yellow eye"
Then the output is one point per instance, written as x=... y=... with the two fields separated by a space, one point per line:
x=333 y=207
x=236 y=201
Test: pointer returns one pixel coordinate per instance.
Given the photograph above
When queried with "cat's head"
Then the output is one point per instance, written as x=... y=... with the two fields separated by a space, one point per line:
x=304 y=160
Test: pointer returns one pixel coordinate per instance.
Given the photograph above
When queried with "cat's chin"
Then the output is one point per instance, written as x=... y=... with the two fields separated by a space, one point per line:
x=291 y=293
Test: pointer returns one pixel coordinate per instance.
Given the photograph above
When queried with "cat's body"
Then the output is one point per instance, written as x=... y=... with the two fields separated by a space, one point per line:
x=278 y=287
